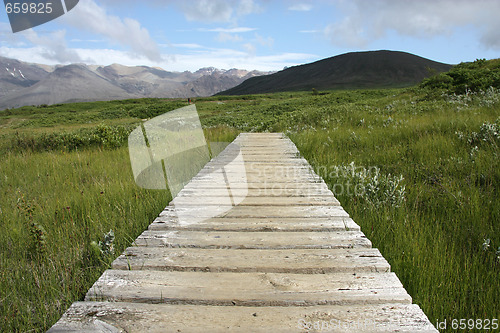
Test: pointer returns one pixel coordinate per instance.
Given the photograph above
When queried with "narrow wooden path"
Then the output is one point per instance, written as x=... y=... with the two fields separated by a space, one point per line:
x=256 y=242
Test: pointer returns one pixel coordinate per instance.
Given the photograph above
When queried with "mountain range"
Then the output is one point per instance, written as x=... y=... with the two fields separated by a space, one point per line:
x=23 y=83
x=355 y=70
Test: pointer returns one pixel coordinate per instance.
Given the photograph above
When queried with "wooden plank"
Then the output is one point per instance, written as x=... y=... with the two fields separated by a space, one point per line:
x=160 y=318
x=276 y=224
x=253 y=192
x=253 y=240
x=303 y=261
x=240 y=159
x=269 y=186
x=231 y=179
x=255 y=201
x=281 y=171
x=258 y=149
x=202 y=212
x=288 y=159
x=248 y=289
x=258 y=166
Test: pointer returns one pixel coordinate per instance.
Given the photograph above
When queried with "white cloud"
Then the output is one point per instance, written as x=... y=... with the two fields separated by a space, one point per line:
x=264 y=41
x=188 y=46
x=368 y=20
x=78 y=40
x=247 y=7
x=228 y=30
x=227 y=58
x=202 y=10
x=491 y=37
x=126 y=32
x=301 y=7
x=347 y=33
x=200 y=57
x=207 y=10
x=226 y=37
x=52 y=46
x=228 y=34
x=217 y=10
x=250 y=48
x=8 y=38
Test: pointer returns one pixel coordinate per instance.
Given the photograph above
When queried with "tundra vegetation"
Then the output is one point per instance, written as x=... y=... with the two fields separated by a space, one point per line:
x=417 y=168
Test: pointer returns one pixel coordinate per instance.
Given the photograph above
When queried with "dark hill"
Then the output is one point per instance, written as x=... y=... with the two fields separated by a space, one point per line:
x=373 y=69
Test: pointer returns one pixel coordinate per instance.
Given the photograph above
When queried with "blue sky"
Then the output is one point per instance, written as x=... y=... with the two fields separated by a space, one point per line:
x=256 y=34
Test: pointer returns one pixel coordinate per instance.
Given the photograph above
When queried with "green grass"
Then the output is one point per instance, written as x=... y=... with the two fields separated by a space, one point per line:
x=78 y=192
x=77 y=198
x=434 y=239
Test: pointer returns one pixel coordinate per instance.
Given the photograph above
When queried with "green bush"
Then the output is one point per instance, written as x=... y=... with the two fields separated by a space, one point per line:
x=103 y=136
x=467 y=77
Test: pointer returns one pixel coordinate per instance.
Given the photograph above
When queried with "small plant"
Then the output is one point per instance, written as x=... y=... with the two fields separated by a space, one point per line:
x=38 y=236
x=488 y=134
x=388 y=122
x=99 y=253
x=38 y=239
x=487 y=247
x=490 y=97
x=369 y=185
x=486 y=244
x=106 y=246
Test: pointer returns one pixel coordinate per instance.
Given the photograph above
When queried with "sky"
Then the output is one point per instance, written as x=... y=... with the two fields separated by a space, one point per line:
x=265 y=35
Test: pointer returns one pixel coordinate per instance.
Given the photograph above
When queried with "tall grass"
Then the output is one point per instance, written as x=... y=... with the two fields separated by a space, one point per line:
x=429 y=175
x=434 y=239
x=63 y=190
x=76 y=198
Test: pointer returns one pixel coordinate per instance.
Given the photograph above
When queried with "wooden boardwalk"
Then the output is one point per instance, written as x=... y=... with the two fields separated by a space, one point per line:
x=256 y=242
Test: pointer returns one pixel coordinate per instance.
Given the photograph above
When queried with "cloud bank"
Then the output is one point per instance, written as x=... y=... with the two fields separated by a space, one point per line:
x=128 y=32
x=217 y=10
x=368 y=20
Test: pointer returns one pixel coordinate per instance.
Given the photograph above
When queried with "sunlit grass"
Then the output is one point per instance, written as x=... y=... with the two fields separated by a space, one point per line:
x=433 y=239
x=77 y=197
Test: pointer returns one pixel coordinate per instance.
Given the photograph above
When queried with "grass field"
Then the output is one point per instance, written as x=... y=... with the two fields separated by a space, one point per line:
x=416 y=169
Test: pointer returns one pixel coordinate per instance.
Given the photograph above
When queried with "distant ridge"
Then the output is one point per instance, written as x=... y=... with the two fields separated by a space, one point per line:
x=372 y=69
x=24 y=83
x=72 y=83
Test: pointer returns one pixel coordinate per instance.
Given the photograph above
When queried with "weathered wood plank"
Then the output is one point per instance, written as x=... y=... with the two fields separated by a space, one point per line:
x=288 y=167
x=253 y=192
x=259 y=147
x=249 y=211
x=256 y=201
x=255 y=177
x=248 y=289
x=253 y=224
x=304 y=261
x=160 y=318
x=256 y=166
x=253 y=240
x=272 y=187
